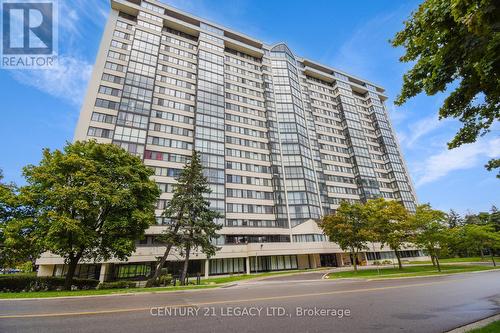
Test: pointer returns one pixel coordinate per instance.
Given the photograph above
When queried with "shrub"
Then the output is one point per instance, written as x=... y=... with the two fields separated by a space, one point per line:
x=116 y=285
x=26 y=267
x=29 y=282
x=165 y=279
x=387 y=262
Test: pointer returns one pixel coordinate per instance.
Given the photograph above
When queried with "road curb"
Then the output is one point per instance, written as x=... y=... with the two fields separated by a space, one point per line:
x=411 y=277
x=477 y=324
x=262 y=278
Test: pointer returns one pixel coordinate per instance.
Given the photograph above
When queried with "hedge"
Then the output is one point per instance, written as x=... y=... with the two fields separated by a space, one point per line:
x=116 y=285
x=25 y=282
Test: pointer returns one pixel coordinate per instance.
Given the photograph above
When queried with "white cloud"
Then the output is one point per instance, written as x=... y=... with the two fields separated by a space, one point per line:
x=68 y=19
x=423 y=127
x=71 y=14
x=67 y=80
x=441 y=164
x=367 y=47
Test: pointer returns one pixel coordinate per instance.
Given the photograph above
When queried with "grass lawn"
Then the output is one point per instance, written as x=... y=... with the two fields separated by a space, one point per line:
x=408 y=271
x=453 y=260
x=234 y=278
x=205 y=283
x=494 y=327
x=94 y=292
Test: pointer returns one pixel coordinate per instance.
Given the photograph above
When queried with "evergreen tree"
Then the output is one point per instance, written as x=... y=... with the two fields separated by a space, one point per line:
x=454 y=219
x=495 y=218
x=191 y=219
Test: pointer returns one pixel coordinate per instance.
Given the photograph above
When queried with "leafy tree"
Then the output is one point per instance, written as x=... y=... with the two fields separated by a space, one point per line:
x=389 y=220
x=349 y=228
x=21 y=242
x=493 y=164
x=14 y=225
x=6 y=208
x=454 y=219
x=191 y=218
x=480 y=218
x=5 y=194
x=455 y=41
x=8 y=202
x=455 y=242
x=430 y=231
x=482 y=237
x=91 y=201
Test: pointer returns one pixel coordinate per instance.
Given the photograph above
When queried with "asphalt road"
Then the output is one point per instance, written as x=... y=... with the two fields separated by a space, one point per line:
x=433 y=304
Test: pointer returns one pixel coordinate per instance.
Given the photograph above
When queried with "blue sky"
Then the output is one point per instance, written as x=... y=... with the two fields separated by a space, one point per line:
x=40 y=108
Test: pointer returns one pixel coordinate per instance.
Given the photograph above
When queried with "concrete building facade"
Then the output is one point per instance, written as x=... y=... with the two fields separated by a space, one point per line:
x=283 y=139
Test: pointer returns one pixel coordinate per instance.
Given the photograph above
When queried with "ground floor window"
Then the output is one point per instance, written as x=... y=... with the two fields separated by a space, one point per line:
x=176 y=267
x=83 y=271
x=133 y=271
x=391 y=255
x=328 y=260
x=227 y=266
x=273 y=263
x=411 y=253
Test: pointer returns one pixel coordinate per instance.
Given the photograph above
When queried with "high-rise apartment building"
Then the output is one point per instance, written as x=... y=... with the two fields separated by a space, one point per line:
x=283 y=139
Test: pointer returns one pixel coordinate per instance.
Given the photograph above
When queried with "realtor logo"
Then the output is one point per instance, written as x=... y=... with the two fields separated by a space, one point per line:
x=29 y=33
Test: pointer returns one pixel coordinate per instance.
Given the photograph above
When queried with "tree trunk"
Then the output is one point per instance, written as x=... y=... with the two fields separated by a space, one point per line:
x=482 y=254
x=73 y=261
x=493 y=258
x=431 y=253
x=437 y=263
x=156 y=274
x=33 y=265
x=354 y=261
x=398 y=256
x=186 y=264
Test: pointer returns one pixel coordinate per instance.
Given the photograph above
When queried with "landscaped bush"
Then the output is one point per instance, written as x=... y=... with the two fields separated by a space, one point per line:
x=116 y=285
x=165 y=279
x=29 y=282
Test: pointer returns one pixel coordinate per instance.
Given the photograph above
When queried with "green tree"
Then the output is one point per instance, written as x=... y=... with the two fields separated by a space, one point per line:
x=21 y=242
x=481 y=218
x=455 y=41
x=7 y=197
x=495 y=218
x=8 y=201
x=199 y=232
x=430 y=231
x=16 y=246
x=91 y=201
x=454 y=219
x=349 y=228
x=390 y=222
x=482 y=237
x=455 y=242
x=191 y=219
